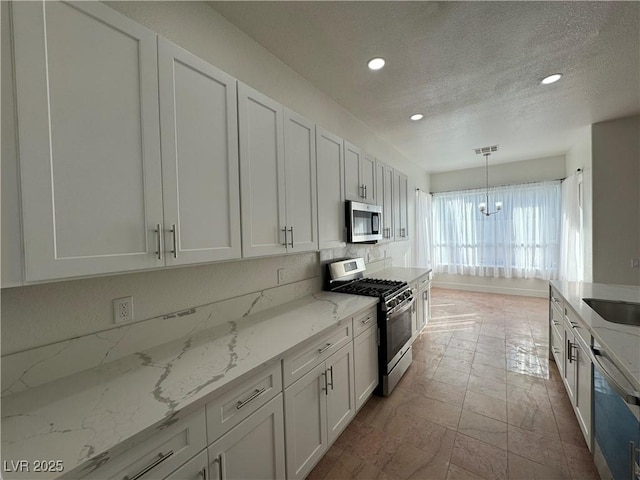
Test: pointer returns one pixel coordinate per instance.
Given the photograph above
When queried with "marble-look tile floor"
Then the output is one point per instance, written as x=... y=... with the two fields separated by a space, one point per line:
x=480 y=401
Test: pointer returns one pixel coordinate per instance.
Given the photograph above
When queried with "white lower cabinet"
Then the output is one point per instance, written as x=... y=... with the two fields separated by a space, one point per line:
x=365 y=357
x=254 y=449
x=159 y=454
x=569 y=343
x=318 y=407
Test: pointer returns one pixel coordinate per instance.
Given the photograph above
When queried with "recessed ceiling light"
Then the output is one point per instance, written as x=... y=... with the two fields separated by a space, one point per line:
x=551 y=78
x=417 y=116
x=376 y=63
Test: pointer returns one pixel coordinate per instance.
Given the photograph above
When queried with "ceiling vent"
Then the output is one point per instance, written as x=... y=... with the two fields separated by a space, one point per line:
x=485 y=150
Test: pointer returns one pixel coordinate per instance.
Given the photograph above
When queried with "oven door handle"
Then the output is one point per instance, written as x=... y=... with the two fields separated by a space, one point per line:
x=402 y=310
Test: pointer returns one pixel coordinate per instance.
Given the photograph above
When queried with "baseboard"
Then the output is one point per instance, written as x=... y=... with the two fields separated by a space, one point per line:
x=525 y=292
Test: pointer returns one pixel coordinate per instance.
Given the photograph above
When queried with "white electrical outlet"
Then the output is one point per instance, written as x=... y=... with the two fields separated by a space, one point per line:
x=123 y=309
x=635 y=263
x=280 y=276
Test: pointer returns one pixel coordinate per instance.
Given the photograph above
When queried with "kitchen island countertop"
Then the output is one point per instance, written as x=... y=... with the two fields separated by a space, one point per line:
x=621 y=342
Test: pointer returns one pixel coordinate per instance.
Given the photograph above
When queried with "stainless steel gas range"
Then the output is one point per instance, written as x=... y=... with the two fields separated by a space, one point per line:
x=396 y=309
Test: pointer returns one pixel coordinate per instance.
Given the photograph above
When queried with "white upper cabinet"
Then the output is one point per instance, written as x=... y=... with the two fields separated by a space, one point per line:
x=301 y=196
x=400 y=205
x=368 y=178
x=262 y=173
x=201 y=191
x=278 y=177
x=353 y=188
x=88 y=123
x=331 y=209
x=359 y=175
x=384 y=198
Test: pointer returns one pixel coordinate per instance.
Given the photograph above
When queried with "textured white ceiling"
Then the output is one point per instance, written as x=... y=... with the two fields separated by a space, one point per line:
x=472 y=68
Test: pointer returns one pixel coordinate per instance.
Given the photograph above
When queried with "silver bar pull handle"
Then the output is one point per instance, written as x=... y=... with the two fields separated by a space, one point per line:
x=325 y=348
x=366 y=320
x=218 y=460
x=161 y=458
x=257 y=392
x=331 y=372
x=365 y=190
x=570 y=347
x=630 y=396
x=291 y=231
x=158 y=232
x=203 y=473
x=175 y=242
x=326 y=386
x=285 y=235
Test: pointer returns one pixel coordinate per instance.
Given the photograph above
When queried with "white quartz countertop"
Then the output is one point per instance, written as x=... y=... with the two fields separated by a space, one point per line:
x=621 y=342
x=401 y=274
x=81 y=418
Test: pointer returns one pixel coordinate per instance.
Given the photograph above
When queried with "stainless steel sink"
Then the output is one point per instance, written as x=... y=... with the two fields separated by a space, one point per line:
x=627 y=313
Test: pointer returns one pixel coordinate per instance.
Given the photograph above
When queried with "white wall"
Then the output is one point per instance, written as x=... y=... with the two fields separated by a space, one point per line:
x=534 y=170
x=579 y=156
x=42 y=314
x=616 y=200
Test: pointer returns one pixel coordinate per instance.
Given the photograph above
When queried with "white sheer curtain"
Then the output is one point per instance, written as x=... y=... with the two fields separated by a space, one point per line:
x=521 y=241
x=571 y=266
x=423 y=230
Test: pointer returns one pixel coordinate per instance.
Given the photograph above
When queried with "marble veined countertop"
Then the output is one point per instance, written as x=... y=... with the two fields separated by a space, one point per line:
x=621 y=342
x=401 y=274
x=98 y=413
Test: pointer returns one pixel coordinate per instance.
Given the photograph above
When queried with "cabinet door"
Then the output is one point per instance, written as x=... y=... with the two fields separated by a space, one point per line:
x=262 y=176
x=403 y=208
x=194 y=469
x=368 y=177
x=395 y=202
x=87 y=105
x=331 y=223
x=201 y=189
x=341 y=404
x=584 y=387
x=380 y=199
x=569 y=374
x=390 y=203
x=252 y=450
x=353 y=187
x=305 y=404
x=365 y=359
x=301 y=196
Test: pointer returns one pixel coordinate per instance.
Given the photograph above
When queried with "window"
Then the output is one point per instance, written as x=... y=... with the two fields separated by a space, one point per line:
x=522 y=240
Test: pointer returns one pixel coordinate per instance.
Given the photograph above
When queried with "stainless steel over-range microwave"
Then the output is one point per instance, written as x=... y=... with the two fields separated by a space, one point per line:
x=364 y=222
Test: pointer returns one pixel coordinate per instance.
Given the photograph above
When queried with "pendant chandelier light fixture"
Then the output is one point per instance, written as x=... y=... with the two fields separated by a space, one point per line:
x=486 y=151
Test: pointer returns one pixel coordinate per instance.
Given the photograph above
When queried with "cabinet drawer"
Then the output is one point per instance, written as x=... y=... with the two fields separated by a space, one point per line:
x=364 y=321
x=308 y=356
x=229 y=409
x=557 y=347
x=555 y=300
x=160 y=454
x=575 y=322
x=555 y=317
